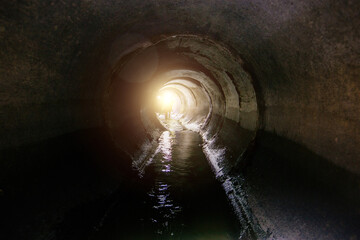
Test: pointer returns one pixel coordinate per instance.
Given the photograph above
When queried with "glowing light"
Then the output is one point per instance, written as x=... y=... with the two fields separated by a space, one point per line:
x=166 y=100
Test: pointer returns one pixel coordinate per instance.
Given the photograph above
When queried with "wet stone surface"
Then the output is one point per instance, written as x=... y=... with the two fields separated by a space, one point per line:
x=179 y=197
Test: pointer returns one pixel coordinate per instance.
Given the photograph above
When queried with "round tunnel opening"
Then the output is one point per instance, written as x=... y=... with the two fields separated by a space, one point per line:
x=210 y=92
x=60 y=171
x=180 y=101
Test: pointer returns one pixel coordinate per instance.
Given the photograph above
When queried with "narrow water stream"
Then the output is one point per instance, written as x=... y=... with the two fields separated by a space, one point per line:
x=179 y=197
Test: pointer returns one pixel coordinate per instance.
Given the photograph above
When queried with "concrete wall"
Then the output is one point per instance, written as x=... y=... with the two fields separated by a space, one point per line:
x=57 y=57
x=302 y=55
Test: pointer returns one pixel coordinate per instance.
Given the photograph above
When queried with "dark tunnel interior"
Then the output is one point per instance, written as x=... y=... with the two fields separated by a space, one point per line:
x=179 y=119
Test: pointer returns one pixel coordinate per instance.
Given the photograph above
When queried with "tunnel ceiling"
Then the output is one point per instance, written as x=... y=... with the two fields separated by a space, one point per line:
x=56 y=58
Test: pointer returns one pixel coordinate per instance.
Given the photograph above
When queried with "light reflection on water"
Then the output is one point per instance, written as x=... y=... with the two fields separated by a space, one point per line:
x=165 y=147
x=183 y=199
x=177 y=195
x=164 y=207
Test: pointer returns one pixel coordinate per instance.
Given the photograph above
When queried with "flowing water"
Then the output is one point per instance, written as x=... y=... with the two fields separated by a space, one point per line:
x=179 y=197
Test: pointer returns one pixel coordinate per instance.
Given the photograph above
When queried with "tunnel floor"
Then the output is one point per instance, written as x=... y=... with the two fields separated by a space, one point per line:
x=179 y=198
x=67 y=192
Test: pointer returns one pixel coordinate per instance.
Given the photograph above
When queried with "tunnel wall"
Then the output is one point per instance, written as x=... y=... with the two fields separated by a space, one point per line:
x=223 y=102
x=302 y=56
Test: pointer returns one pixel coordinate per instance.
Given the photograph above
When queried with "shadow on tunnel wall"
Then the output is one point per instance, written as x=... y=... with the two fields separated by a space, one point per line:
x=61 y=187
x=296 y=193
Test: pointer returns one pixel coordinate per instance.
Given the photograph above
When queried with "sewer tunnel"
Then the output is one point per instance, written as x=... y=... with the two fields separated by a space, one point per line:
x=111 y=107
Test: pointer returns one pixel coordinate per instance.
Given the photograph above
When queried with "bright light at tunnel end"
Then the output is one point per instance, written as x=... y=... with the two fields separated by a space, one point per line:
x=166 y=99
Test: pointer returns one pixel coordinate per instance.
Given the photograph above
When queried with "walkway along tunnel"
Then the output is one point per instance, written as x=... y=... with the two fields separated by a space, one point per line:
x=271 y=88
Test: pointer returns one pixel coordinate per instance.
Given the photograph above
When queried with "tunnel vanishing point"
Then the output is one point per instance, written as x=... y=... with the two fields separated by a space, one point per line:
x=272 y=88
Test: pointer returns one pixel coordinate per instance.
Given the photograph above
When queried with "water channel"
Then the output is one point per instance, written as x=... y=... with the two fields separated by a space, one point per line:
x=179 y=197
